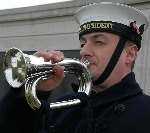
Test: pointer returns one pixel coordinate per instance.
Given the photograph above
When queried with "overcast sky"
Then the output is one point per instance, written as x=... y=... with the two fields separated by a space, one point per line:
x=8 y=4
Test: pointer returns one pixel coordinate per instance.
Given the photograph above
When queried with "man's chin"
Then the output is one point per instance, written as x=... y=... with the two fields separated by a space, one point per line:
x=94 y=78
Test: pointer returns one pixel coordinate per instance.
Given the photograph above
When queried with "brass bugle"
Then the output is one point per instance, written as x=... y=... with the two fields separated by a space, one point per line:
x=23 y=69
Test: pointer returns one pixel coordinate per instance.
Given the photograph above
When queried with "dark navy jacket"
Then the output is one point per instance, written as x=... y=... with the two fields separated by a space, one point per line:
x=123 y=108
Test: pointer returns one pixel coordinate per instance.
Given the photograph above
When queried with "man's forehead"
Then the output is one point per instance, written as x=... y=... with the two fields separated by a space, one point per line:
x=97 y=35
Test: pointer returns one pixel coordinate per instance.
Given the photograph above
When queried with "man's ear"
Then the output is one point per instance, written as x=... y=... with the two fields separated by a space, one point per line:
x=131 y=53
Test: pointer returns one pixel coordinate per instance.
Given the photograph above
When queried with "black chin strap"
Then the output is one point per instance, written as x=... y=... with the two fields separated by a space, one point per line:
x=113 y=61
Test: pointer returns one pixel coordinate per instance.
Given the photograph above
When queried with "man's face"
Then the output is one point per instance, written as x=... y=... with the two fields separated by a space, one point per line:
x=98 y=48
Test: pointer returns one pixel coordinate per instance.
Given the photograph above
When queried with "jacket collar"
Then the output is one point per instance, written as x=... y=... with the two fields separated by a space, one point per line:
x=127 y=87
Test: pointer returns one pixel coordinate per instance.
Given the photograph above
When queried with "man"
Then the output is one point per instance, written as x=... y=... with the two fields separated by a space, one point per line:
x=110 y=36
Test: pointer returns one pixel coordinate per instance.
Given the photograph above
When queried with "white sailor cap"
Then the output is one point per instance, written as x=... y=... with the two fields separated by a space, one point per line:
x=116 y=18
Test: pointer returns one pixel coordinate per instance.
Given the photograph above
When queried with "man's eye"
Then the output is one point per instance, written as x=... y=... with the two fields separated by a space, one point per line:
x=99 y=42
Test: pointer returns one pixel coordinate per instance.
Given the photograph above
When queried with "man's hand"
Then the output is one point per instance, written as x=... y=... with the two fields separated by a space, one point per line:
x=57 y=76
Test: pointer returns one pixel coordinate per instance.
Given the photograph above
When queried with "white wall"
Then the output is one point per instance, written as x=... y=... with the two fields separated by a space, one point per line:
x=55 y=33
x=40 y=27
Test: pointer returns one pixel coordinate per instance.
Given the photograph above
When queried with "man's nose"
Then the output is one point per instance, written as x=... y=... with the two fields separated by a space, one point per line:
x=86 y=50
